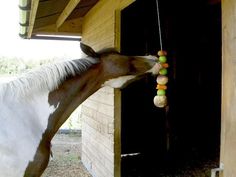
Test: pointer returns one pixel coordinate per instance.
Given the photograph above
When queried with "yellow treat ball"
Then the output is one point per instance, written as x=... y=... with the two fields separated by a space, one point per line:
x=161 y=92
x=163 y=71
x=162 y=59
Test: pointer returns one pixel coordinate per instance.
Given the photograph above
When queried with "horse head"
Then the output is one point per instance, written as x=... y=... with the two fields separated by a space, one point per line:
x=120 y=69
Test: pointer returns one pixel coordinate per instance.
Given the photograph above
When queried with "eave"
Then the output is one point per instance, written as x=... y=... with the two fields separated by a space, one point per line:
x=48 y=18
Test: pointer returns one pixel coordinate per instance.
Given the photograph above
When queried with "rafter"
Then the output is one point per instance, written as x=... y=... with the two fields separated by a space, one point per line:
x=66 y=12
x=69 y=27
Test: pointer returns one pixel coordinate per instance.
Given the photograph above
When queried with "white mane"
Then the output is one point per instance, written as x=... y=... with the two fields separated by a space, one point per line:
x=48 y=78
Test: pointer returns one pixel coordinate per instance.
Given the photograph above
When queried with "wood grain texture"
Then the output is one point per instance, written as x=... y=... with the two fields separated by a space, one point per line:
x=33 y=12
x=228 y=132
x=66 y=12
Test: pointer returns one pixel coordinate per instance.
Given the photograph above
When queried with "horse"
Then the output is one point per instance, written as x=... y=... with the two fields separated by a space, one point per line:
x=35 y=105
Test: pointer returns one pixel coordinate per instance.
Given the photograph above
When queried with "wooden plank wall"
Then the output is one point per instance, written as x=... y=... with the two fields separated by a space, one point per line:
x=228 y=132
x=98 y=133
x=101 y=25
x=101 y=112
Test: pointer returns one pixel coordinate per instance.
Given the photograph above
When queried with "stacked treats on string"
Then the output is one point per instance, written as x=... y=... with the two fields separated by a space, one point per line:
x=160 y=100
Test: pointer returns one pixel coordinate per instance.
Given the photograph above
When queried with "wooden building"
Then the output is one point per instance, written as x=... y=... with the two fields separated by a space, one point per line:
x=200 y=123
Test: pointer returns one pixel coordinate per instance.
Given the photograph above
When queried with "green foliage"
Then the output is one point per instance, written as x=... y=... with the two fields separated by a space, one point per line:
x=16 y=65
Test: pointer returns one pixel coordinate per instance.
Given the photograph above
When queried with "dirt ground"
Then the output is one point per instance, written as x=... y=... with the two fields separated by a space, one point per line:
x=66 y=160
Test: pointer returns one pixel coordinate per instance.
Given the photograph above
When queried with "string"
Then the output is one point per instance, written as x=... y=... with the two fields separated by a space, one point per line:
x=159 y=23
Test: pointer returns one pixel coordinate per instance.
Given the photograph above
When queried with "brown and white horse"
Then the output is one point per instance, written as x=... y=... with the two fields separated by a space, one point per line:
x=35 y=105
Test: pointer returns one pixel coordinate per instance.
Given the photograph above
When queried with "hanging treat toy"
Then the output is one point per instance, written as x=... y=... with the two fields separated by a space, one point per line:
x=160 y=100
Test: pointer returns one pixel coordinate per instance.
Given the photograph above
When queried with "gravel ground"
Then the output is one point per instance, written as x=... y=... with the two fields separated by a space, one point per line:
x=66 y=160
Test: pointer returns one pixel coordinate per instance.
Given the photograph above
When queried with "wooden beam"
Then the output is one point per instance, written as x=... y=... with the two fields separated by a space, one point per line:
x=117 y=133
x=66 y=12
x=69 y=27
x=34 y=8
x=228 y=111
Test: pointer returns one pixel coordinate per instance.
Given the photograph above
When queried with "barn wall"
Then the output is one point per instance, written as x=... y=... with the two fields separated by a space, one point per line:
x=98 y=133
x=228 y=132
x=101 y=26
x=101 y=112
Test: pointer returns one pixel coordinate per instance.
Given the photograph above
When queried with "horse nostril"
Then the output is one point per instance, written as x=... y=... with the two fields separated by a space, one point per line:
x=132 y=69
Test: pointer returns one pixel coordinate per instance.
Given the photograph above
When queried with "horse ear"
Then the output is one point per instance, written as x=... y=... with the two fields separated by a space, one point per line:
x=88 y=50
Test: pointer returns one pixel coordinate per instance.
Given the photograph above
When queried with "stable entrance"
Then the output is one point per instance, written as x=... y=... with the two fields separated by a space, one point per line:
x=185 y=139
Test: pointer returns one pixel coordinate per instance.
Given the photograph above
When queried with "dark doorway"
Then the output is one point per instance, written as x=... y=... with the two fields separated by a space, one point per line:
x=186 y=138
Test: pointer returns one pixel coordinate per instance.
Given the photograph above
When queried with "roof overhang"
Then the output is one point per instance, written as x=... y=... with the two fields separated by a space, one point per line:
x=53 y=19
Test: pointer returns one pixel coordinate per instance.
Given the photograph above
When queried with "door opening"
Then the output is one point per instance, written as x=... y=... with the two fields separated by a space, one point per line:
x=186 y=139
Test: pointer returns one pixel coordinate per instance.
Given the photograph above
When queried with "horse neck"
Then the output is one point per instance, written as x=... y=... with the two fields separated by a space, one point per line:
x=71 y=93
